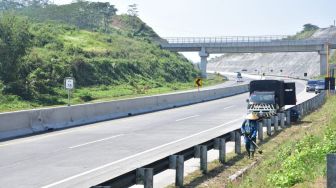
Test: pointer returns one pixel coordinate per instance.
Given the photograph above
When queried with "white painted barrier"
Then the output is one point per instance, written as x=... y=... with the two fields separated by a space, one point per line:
x=13 y=124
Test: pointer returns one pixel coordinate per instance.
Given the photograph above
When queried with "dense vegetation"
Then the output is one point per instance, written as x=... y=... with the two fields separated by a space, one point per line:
x=41 y=44
x=307 y=31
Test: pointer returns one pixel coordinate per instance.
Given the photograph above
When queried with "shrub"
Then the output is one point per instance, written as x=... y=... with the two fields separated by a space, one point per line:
x=86 y=96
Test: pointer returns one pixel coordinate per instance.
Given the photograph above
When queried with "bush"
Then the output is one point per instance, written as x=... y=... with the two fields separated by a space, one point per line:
x=86 y=96
x=310 y=150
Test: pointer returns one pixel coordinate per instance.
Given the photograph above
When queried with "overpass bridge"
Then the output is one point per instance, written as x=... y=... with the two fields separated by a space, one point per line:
x=250 y=44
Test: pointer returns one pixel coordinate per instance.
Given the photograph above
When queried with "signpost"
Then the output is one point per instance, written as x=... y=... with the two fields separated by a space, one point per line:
x=198 y=82
x=329 y=83
x=69 y=85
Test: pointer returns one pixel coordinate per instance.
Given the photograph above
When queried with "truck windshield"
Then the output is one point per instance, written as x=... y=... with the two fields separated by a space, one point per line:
x=262 y=98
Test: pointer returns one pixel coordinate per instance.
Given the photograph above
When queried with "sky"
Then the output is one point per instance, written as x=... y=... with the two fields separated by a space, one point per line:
x=200 y=18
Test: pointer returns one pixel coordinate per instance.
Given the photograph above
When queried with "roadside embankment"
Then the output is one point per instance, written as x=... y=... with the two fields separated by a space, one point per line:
x=295 y=157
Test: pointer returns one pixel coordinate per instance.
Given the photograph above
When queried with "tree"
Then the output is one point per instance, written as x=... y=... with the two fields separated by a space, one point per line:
x=133 y=10
x=15 y=40
x=310 y=27
x=10 y=4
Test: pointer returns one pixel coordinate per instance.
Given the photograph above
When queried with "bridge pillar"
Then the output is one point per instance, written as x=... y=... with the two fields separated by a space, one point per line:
x=203 y=66
x=323 y=59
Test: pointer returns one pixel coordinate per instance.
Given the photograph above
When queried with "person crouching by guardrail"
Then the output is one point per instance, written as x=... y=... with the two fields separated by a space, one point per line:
x=249 y=129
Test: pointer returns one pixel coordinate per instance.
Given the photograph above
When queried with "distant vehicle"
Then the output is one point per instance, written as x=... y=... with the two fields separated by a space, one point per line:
x=239 y=77
x=319 y=86
x=311 y=84
x=244 y=70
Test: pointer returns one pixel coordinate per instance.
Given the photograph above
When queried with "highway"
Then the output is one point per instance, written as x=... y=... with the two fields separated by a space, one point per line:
x=87 y=155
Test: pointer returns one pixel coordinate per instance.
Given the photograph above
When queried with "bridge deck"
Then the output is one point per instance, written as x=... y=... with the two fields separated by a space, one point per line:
x=247 y=44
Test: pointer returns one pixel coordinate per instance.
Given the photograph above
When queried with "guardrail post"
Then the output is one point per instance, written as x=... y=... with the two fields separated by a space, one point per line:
x=276 y=123
x=176 y=162
x=269 y=127
x=301 y=110
x=197 y=151
x=204 y=159
x=237 y=142
x=145 y=176
x=222 y=150
x=221 y=147
x=260 y=131
x=305 y=109
x=309 y=102
x=288 y=120
x=331 y=170
x=232 y=136
x=282 y=120
x=179 y=171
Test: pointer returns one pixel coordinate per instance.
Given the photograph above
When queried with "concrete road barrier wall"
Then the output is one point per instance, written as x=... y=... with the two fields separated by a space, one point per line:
x=13 y=124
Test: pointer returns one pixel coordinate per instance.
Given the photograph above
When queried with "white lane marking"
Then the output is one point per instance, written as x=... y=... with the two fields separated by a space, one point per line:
x=187 y=118
x=138 y=154
x=35 y=138
x=80 y=145
x=228 y=107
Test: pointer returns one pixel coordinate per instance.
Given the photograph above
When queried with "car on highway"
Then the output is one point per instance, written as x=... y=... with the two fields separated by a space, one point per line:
x=319 y=86
x=311 y=84
x=239 y=77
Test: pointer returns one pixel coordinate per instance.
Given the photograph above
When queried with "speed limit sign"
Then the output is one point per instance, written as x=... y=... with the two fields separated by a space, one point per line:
x=69 y=83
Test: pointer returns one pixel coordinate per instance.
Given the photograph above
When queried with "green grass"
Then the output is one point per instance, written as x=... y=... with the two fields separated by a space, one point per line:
x=104 y=93
x=301 y=160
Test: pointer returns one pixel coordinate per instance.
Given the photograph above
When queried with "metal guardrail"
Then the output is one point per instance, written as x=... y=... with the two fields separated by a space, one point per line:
x=144 y=175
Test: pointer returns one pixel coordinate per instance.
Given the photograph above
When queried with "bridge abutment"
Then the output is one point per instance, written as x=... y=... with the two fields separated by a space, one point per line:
x=204 y=61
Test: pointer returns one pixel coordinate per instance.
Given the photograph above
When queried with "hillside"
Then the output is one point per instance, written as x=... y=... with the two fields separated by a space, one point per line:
x=104 y=52
x=94 y=16
x=293 y=64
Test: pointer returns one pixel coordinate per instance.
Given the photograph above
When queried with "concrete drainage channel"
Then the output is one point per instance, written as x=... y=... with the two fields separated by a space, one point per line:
x=144 y=175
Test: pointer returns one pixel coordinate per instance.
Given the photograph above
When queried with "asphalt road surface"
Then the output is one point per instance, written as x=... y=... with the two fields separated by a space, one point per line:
x=87 y=155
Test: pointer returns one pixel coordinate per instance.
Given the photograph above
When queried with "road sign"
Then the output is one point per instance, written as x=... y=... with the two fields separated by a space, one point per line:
x=198 y=82
x=69 y=83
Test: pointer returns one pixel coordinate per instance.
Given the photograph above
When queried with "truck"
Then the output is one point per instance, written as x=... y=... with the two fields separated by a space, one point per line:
x=268 y=97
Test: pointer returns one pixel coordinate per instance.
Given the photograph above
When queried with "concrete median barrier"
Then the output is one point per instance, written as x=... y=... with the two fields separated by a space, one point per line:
x=14 y=124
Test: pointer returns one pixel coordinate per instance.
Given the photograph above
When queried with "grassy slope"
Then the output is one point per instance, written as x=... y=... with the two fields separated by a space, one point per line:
x=284 y=161
x=135 y=66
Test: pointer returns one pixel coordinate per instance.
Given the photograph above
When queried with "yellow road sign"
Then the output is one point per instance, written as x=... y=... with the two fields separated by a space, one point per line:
x=198 y=82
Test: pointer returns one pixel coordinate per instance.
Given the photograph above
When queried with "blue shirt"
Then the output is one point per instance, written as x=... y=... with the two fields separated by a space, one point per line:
x=249 y=128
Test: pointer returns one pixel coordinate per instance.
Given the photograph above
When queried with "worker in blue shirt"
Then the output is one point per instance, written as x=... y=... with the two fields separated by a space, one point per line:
x=249 y=129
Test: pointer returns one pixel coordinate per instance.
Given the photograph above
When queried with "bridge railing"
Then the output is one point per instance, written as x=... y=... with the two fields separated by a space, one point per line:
x=244 y=39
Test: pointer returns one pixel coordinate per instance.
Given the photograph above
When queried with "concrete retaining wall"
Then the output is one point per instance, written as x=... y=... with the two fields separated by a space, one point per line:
x=13 y=124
